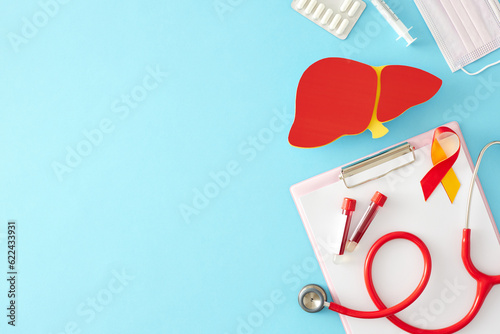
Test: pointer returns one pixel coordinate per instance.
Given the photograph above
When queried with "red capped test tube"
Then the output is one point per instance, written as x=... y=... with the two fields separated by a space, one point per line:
x=378 y=201
x=348 y=207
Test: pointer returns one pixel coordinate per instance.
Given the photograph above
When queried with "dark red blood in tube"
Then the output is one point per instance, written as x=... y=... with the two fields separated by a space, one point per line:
x=348 y=207
x=378 y=201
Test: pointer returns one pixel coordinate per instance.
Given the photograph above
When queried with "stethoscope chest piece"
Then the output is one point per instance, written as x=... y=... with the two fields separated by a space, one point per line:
x=312 y=298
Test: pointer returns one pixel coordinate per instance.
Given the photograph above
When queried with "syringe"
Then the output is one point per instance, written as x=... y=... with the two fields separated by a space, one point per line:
x=393 y=20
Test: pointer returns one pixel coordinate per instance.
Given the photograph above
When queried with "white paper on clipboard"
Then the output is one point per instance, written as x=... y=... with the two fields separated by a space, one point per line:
x=398 y=265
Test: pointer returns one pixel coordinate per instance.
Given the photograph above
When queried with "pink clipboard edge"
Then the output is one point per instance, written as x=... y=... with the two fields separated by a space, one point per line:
x=332 y=176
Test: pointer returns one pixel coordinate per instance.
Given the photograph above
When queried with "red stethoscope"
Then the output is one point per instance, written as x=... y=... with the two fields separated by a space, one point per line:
x=312 y=298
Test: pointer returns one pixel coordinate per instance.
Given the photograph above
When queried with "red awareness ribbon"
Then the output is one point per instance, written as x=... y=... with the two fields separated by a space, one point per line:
x=436 y=174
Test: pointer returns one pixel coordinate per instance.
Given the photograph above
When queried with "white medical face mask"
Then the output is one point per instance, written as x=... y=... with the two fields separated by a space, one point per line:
x=464 y=30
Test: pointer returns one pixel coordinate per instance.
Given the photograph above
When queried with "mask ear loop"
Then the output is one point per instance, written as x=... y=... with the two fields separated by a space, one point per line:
x=481 y=70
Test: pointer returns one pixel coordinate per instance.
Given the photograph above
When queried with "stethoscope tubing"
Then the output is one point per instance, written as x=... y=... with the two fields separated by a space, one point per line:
x=473 y=181
x=484 y=285
x=385 y=311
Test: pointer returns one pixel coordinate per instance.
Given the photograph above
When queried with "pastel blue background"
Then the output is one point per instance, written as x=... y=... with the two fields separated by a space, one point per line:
x=111 y=230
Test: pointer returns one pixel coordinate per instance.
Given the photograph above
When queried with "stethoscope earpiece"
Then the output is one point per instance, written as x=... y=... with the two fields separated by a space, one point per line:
x=312 y=298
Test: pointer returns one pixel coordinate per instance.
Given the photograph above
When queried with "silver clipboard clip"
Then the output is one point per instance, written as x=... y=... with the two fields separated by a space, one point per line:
x=377 y=161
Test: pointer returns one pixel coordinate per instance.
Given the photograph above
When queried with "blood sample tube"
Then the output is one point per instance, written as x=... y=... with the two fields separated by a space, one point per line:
x=378 y=201
x=348 y=207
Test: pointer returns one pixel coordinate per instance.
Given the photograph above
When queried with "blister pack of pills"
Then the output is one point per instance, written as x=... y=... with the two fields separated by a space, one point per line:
x=338 y=17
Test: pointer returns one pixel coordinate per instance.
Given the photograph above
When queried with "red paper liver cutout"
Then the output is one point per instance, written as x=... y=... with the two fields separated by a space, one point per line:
x=402 y=88
x=338 y=97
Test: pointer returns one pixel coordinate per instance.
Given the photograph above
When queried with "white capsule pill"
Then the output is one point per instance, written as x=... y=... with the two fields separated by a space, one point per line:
x=326 y=17
x=345 y=5
x=311 y=6
x=354 y=9
x=301 y=4
x=342 y=26
x=319 y=11
x=335 y=21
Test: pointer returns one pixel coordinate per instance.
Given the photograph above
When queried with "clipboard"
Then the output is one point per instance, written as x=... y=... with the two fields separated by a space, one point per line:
x=398 y=265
